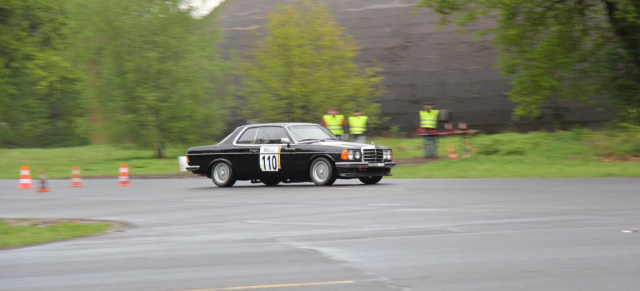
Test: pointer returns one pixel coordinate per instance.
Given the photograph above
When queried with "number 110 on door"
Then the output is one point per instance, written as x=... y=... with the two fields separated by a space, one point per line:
x=270 y=162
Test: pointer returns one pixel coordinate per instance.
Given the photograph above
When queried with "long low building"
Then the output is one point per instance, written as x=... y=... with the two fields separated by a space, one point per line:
x=420 y=63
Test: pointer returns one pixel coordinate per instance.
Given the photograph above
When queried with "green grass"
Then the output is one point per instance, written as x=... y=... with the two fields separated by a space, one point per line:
x=12 y=235
x=577 y=153
x=98 y=160
x=517 y=167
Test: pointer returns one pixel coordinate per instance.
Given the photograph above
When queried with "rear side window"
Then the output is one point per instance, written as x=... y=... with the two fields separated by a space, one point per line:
x=270 y=135
x=248 y=137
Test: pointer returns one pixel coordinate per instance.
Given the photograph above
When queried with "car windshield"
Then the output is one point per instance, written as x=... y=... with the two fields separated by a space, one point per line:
x=303 y=133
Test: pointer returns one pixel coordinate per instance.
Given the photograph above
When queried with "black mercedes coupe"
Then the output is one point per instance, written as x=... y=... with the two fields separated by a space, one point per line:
x=273 y=153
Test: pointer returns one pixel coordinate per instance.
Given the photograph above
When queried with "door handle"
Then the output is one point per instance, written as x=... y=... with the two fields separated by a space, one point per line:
x=255 y=150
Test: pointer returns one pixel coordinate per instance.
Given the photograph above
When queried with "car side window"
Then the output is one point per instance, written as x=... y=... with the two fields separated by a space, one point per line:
x=270 y=135
x=248 y=137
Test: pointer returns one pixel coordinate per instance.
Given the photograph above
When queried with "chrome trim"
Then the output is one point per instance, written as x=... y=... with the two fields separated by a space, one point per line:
x=286 y=130
x=377 y=156
x=363 y=164
x=192 y=168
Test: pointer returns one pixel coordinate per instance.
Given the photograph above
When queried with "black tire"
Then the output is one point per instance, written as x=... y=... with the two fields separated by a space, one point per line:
x=222 y=175
x=370 y=180
x=321 y=172
x=270 y=182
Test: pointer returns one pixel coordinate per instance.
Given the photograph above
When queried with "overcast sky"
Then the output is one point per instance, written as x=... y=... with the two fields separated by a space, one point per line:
x=203 y=7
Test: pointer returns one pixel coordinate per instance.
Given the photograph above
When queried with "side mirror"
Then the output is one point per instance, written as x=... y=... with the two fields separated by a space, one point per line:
x=285 y=140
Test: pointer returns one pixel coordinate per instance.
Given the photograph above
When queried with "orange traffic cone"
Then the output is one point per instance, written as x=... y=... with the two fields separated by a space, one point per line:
x=43 y=182
x=123 y=179
x=451 y=150
x=25 y=178
x=76 y=181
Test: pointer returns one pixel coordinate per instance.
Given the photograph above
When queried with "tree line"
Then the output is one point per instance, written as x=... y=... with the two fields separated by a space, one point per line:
x=148 y=73
x=75 y=71
x=560 y=49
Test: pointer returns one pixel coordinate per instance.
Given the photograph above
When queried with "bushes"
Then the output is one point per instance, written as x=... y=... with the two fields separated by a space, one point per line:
x=509 y=144
x=620 y=141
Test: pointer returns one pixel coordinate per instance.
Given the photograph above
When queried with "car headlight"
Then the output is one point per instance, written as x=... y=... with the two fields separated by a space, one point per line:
x=350 y=155
x=387 y=155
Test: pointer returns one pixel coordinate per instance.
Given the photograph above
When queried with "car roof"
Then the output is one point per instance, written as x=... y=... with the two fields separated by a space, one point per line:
x=279 y=124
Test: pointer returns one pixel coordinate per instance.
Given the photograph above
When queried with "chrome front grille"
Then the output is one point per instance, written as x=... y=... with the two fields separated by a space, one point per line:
x=372 y=155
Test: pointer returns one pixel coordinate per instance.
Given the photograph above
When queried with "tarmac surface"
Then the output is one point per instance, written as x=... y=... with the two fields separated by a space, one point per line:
x=402 y=234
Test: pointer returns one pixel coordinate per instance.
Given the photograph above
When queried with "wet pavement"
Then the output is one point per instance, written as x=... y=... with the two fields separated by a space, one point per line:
x=402 y=234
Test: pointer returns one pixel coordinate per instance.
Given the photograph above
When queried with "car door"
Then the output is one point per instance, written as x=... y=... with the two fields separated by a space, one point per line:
x=262 y=154
x=274 y=155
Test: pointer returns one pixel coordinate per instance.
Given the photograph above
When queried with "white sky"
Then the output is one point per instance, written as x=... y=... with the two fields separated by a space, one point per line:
x=202 y=7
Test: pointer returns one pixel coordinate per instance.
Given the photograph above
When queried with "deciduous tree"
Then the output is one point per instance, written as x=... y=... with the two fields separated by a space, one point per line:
x=561 y=49
x=40 y=102
x=154 y=72
x=306 y=63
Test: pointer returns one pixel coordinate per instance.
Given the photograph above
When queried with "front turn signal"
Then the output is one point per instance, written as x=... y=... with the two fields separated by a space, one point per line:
x=345 y=155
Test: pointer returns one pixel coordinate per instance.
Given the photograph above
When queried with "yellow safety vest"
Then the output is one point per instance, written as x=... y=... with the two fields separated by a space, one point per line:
x=334 y=123
x=357 y=124
x=429 y=119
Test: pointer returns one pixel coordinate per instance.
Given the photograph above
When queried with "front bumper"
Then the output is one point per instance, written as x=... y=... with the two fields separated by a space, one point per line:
x=363 y=169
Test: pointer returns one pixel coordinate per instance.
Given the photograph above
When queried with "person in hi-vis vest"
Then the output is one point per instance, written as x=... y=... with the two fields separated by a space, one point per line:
x=334 y=122
x=358 y=126
x=429 y=127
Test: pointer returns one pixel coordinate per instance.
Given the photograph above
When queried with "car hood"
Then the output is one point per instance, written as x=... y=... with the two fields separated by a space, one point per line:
x=345 y=144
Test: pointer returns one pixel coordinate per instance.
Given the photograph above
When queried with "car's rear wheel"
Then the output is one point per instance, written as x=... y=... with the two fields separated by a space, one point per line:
x=222 y=175
x=370 y=179
x=270 y=182
x=322 y=173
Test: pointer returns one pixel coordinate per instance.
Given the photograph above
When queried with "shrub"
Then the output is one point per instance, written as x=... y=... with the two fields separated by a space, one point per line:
x=619 y=141
x=509 y=144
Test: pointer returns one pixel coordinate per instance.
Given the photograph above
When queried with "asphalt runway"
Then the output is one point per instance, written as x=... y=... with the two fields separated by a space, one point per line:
x=416 y=234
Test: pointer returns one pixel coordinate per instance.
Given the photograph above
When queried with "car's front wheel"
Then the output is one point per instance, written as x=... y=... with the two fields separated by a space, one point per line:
x=222 y=175
x=322 y=173
x=370 y=179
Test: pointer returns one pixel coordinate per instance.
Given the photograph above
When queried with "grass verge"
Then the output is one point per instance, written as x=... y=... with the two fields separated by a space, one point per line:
x=24 y=232
x=577 y=153
x=517 y=167
x=563 y=154
x=96 y=160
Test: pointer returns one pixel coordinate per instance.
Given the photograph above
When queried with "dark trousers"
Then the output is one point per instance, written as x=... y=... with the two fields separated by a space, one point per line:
x=430 y=146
